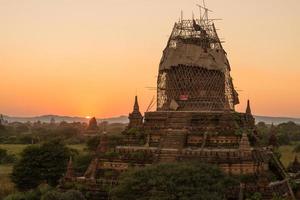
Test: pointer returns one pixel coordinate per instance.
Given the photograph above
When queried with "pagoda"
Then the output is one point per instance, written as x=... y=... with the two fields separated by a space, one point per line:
x=195 y=118
x=135 y=118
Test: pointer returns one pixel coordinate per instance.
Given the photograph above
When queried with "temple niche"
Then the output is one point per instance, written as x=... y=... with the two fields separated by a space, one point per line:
x=195 y=119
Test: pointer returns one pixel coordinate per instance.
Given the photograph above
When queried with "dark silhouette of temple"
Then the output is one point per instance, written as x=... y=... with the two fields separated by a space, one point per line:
x=135 y=118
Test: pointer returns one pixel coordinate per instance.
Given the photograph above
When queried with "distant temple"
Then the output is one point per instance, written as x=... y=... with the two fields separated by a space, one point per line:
x=135 y=118
x=93 y=125
x=195 y=119
x=92 y=128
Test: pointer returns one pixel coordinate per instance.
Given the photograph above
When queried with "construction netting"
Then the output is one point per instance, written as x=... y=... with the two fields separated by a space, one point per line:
x=194 y=72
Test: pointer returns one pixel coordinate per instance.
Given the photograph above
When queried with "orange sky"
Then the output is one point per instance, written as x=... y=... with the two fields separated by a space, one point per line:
x=90 y=57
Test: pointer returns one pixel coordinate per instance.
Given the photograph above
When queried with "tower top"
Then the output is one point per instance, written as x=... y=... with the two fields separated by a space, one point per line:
x=136 y=104
x=248 y=109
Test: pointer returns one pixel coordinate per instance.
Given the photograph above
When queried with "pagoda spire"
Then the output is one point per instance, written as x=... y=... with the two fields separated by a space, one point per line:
x=135 y=118
x=248 y=109
x=136 y=104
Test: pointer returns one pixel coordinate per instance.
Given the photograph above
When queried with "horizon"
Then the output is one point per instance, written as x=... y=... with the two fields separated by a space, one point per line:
x=57 y=57
x=116 y=116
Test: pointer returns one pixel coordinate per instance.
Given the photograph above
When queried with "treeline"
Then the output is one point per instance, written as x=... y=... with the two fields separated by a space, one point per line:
x=32 y=133
x=284 y=133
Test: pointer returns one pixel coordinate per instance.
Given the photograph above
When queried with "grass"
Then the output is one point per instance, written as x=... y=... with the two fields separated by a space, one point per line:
x=79 y=147
x=15 y=149
x=5 y=170
x=6 y=185
x=287 y=154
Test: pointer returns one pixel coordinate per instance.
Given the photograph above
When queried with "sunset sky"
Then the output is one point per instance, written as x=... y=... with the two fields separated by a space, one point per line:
x=91 y=57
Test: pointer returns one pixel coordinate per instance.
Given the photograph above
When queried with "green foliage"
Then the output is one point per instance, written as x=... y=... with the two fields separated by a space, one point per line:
x=277 y=197
x=52 y=195
x=6 y=158
x=173 y=181
x=247 y=178
x=285 y=132
x=16 y=196
x=288 y=132
x=114 y=140
x=111 y=155
x=255 y=196
x=132 y=131
x=92 y=143
x=82 y=162
x=110 y=174
x=69 y=195
x=45 y=163
x=283 y=139
x=27 y=133
x=138 y=156
x=297 y=149
x=31 y=194
x=75 y=185
x=44 y=192
x=238 y=132
x=277 y=153
x=72 y=195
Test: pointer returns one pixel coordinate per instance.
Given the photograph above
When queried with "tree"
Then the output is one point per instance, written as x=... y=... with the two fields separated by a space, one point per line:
x=92 y=143
x=297 y=149
x=82 y=162
x=174 y=181
x=52 y=195
x=38 y=164
x=69 y=195
x=6 y=158
x=72 y=195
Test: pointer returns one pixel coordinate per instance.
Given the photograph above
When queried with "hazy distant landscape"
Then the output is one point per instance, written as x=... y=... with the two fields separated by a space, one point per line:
x=124 y=119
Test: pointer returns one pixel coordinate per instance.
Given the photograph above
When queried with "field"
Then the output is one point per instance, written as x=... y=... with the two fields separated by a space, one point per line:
x=7 y=186
x=287 y=154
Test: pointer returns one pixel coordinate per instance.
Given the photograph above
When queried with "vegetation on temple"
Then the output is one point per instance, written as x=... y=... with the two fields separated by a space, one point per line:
x=174 y=181
x=45 y=192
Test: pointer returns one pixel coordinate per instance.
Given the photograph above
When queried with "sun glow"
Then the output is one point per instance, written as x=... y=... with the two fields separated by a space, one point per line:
x=88 y=117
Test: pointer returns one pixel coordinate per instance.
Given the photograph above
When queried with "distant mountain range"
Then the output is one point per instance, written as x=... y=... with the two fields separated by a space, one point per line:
x=124 y=119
